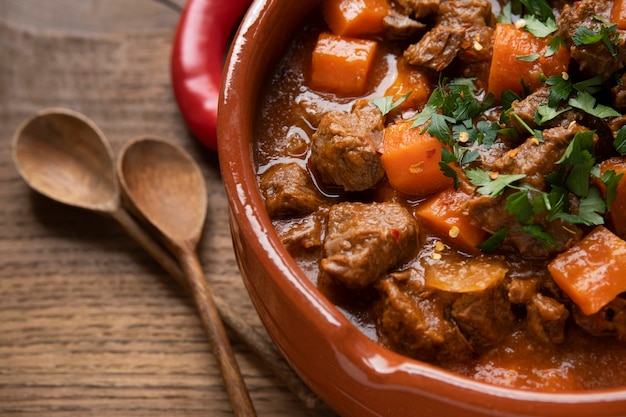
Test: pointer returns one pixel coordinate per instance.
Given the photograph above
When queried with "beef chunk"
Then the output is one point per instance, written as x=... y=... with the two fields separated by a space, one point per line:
x=346 y=147
x=619 y=94
x=527 y=108
x=364 y=241
x=400 y=26
x=492 y=216
x=545 y=316
x=537 y=159
x=610 y=320
x=462 y=29
x=304 y=233
x=548 y=317
x=595 y=58
x=437 y=49
x=418 y=8
x=289 y=191
x=415 y=320
x=483 y=317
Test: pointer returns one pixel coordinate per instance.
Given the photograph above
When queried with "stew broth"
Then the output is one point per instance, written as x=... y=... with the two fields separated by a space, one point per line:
x=289 y=115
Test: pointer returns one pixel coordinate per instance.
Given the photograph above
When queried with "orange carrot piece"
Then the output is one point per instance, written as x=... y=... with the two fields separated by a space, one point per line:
x=411 y=160
x=355 y=17
x=414 y=80
x=445 y=214
x=507 y=70
x=342 y=65
x=593 y=272
x=617 y=212
x=618 y=14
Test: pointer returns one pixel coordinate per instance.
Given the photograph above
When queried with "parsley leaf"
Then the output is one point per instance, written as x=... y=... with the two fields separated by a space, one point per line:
x=560 y=90
x=587 y=103
x=589 y=212
x=491 y=244
x=587 y=36
x=545 y=113
x=611 y=179
x=579 y=156
x=528 y=58
x=537 y=231
x=520 y=205
x=539 y=8
x=591 y=85
x=554 y=44
x=538 y=134
x=386 y=104
x=490 y=184
x=620 y=141
x=540 y=29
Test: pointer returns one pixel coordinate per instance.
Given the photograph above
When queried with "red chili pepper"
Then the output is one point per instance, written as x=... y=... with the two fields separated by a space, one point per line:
x=200 y=45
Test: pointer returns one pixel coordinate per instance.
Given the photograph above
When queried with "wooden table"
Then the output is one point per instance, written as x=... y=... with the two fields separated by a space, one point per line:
x=90 y=325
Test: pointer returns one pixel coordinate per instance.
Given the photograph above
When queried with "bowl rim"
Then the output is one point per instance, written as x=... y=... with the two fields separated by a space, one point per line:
x=246 y=203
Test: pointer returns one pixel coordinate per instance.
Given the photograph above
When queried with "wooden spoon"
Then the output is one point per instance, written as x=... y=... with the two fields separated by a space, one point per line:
x=166 y=186
x=63 y=155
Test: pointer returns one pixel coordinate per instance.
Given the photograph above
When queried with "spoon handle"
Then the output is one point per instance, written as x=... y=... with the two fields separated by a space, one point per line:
x=257 y=342
x=201 y=291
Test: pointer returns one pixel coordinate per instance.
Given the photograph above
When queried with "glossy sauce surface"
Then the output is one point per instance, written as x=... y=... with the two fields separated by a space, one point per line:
x=283 y=134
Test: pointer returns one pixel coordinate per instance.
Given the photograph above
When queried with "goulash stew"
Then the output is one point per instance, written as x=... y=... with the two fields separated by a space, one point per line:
x=449 y=174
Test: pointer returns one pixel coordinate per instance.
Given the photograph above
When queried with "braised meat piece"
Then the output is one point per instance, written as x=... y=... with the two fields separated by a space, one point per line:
x=545 y=316
x=538 y=159
x=610 y=320
x=492 y=216
x=619 y=94
x=483 y=317
x=401 y=26
x=303 y=234
x=289 y=191
x=437 y=49
x=593 y=58
x=526 y=109
x=364 y=241
x=416 y=321
x=462 y=28
x=346 y=147
x=418 y=8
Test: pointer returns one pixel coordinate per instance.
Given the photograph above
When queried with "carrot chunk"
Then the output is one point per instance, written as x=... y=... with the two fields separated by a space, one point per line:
x=618 y=14
x=519 y=56
x=342 y=65
x=411 y=160
x=355 y=17
x=593 y=272
x=617 y=212
x=445 y=214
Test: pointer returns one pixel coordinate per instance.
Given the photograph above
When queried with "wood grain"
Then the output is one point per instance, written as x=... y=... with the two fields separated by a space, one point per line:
x=90 y=325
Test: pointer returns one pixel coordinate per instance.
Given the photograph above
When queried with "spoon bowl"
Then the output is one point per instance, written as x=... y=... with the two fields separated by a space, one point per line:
x=64 y=156
x=166 y=186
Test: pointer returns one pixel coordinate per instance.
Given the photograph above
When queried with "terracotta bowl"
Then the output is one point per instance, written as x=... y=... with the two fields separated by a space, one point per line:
x=353 y=374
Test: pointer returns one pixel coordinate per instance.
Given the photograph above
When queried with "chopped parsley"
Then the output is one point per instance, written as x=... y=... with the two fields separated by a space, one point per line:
x=448 y=116
x=386 y=104
x=620 y=141
x=606 y=33
x=587 y=103
x=490 y=183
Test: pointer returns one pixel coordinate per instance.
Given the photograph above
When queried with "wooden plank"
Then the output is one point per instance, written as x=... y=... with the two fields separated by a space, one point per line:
x=89 y=324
